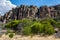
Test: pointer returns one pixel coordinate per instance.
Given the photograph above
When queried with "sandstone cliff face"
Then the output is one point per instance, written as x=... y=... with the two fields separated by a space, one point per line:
x=31 y=12
x=27 y=12
x=45 y=11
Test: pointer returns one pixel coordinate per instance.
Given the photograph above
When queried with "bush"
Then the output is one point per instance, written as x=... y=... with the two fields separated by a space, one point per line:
x=28 y=26
x=11 y=35
x=49 y=21
x=58 y=24
x=27 y=31
x=13 y=24
x=26 y=22
x=49 y=29
x=37 y=28
x=48 y=26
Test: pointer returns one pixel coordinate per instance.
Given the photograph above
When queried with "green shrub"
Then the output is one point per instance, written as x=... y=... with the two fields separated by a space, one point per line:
x=11 y=35
x=37 y=28
x=27 y=31
x=26 y=22
x=32 y=26
x=49 y=29
x=49 y=21
x=53 y=22
x=48 y=26
x=13 y=24
x=58 y=24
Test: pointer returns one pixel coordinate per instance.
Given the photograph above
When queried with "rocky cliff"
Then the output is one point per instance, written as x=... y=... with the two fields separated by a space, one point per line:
x=31 y=12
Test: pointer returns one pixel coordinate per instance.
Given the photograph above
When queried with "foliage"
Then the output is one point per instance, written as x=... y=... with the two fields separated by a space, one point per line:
x=12 y=24
x=48 y=26
x=26 y=22
x=48 y=29
x=27 y=31
x=11 y=35
x=23 y=24
x=49 y=21
x=34 y=26
x=58 y=24
x=37 y=28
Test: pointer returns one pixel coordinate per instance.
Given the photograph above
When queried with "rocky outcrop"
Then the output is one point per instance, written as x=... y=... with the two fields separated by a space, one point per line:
x=45 y=11
x=31 y=12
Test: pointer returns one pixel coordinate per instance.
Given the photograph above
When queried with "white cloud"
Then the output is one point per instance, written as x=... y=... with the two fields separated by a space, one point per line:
x=0 y=12
x=5 y=6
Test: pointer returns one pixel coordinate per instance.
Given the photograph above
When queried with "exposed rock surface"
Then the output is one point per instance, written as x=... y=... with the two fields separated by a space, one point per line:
x=31 y=12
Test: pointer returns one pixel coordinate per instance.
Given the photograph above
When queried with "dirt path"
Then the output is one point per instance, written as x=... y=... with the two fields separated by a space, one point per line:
x=19 y=37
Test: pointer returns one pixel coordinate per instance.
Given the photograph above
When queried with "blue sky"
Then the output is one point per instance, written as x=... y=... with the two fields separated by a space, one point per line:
x=6 y=5
x=36 y=2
